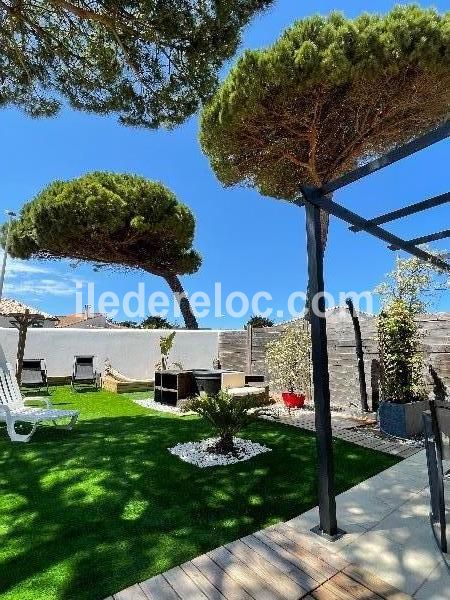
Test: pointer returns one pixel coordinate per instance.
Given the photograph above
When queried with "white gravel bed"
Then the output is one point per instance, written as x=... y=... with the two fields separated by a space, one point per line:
x=150 y=403
x=196 y=453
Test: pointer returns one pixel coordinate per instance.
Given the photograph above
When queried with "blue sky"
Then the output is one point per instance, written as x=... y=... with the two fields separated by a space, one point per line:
x=248 y=242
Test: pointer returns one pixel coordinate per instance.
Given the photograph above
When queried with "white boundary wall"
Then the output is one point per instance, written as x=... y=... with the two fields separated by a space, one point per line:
x=132 y=352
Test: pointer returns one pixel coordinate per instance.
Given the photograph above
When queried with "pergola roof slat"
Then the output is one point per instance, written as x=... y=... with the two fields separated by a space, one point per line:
x=315 y=197
x=432 y=237
x=408 y=210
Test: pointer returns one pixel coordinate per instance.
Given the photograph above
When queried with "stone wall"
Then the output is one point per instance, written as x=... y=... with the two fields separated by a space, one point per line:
x=234 y=352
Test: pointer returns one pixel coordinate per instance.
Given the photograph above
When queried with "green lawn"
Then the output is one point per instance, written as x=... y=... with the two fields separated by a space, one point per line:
x=86 y=513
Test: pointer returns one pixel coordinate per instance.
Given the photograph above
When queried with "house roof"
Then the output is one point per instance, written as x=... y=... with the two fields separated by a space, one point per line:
x=340 y=311
x=10 y=306
x=78 y=318
x=73 y=319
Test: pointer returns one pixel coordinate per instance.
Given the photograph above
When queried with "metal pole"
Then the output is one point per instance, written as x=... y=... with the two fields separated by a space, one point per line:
x=327 y=502
x=11 y=215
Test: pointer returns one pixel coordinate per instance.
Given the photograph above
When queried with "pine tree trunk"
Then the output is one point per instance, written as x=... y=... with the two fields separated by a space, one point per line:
x=177 y=289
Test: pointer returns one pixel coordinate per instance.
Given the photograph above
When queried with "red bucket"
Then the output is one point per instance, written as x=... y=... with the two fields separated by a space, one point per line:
x=292 y=400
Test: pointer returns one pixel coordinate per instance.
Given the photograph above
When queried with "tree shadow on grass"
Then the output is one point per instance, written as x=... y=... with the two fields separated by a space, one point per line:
x=88 y=512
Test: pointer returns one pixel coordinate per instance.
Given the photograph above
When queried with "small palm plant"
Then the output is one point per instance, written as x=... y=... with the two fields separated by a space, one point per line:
x=227 y=415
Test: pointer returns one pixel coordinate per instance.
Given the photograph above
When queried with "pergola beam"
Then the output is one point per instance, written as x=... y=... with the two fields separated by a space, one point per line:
x=408 y=210
x=436 y=135
x=432 y=237
x=314 y=196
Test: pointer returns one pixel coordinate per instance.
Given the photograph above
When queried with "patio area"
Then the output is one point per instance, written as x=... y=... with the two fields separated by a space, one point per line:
x=388 y=552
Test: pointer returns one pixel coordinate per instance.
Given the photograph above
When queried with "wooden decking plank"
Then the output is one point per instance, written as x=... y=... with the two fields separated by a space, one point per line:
x=313 y=566
x=323 y=593
x=312 y=577
x=281 y=559
x=348 y=433
x=375 y=444
x=272 y=576
x=133 y=592
x=211 y=592
x=236 y=569
x=355 y=433
x=341 y=587
x=329 y=590
x=352 y=588
x=388 y=445
x=395 y=451
x=157 y=588
x=374 y=583
x=328 y=556
x=407 y=452
x=183 y=585
x=219 y=579
x=365 y=442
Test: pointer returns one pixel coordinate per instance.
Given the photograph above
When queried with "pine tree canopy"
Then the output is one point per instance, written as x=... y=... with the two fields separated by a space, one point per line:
x=330 y=94
x=149 y=61
x=108 y=219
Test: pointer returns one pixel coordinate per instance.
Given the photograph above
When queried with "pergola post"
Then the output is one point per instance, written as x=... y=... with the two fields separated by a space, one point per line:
x=327 y=502
x=316 y=200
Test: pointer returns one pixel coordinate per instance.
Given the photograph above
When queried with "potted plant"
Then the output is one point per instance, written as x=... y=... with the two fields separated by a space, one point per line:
x=408 y=290
x=165 y=345
x=288 y=361
x=402 y=382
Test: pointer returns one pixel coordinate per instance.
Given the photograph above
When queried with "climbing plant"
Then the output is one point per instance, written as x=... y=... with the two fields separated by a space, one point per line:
x=401 y=361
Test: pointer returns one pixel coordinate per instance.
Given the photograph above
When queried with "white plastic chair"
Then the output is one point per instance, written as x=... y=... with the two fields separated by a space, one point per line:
x=13 y=409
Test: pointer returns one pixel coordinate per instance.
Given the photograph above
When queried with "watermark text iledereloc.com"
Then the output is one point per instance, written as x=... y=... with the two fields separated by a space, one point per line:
x=137 y=304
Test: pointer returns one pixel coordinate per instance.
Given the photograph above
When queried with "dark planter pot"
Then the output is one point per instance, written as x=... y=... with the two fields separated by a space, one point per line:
x=402 y=420
x=209 y=382
x=292 y=400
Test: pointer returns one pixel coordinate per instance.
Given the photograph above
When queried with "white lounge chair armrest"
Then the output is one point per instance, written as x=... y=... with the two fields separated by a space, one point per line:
x=47 y=402
x=5 y=409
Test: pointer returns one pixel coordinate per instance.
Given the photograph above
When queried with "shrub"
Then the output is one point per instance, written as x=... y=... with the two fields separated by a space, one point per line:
x=414 y=281
x=402 y=372
x=227 y=415
x=258 y=321
x=288 y=360
x=156 y=322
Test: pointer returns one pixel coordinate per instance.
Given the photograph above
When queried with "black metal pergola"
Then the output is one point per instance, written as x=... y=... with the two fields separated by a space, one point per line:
x=315 y=200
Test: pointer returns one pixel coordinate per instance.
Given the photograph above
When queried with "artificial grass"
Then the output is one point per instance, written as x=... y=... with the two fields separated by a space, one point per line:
x=86 y=513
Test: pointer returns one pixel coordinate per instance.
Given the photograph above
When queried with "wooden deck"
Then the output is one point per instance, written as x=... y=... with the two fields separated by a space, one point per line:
x=278 y=563
x=350 y=430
